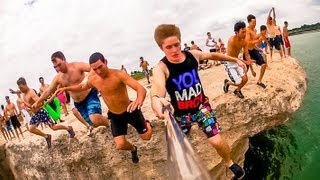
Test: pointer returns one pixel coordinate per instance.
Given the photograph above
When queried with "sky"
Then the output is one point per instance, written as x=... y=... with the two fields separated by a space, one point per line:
x=122 y=30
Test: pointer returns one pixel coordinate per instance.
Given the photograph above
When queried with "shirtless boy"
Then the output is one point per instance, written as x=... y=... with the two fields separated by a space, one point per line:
x=112 y=84
x=40 y=115
x=87 y=102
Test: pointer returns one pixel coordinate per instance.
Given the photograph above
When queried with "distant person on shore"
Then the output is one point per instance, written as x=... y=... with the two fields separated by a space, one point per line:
x=212 y=45
x=12 y=112
x=263 y=43
x=63 y=103
x=194 y=46
x=123 y=69
x=252 y=40
x=40 y=115
x=144 y=65
x=43 y=86
x=222 y=48
x=23 y=111
x=7 y=123
x=177 y=74
x=235 y=72
x=3 y=128
x=112 y=84
x=203 y=64
x=273 y=31
x=186 y=47
x=285 y=35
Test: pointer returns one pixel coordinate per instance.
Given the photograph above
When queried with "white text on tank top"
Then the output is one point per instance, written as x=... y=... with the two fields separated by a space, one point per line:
x=188 y=86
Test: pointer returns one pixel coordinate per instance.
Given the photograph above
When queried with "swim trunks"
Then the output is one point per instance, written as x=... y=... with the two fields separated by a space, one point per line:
x=90 y=105
x=146 y=72
x=8 y=125
x=205 y=118
x=274 y=42
x=62 y=98
x=235 y=73
x=119 y=122
x=15 y=122
x=41 y=117
x=287 y=42
x=255 y=55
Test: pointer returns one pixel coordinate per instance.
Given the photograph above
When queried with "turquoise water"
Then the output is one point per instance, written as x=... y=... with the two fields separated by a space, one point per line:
x=292 y=151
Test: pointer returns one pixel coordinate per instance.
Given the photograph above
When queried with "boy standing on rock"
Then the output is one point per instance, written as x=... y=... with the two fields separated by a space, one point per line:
x=236 y=73
x=177 y=74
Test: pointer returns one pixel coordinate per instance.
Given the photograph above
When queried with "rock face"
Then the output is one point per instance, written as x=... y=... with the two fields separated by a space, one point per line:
x=97 y=158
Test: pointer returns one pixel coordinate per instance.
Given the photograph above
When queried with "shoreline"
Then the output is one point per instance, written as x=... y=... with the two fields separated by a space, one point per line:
x=305 y=32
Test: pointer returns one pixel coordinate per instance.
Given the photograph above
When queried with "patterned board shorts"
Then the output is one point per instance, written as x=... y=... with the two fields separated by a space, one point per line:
x=205 y=118
x=41 y=117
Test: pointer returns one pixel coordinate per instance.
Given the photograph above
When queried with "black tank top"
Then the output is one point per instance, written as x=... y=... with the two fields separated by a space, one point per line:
x=184 y=86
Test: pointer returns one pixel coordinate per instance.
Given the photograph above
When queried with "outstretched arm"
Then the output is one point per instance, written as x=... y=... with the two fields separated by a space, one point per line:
x=85 y=67
x=217 y=56
x=52 y=87
x=141 y=91
x=248 y=60
x=14 y=91
x=158 y=90
x=269 y=15
x=76 y=88
x=274 y=13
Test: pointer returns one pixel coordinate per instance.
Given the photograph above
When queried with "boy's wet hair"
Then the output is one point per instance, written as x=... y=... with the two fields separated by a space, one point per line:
x=21 y=81
x=263 y=27
x=57 y=54
x=96 y=57
x=250 y=17
x=239 y=25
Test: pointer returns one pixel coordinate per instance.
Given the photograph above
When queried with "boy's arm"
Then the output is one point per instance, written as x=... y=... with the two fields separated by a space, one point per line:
x=14 y=91
x=76 y=88
x=269 y=15
x=216 y=56
x=274 y=16
x=85 y=67
x=141 y=91
x=158 y=90
x=274 y=13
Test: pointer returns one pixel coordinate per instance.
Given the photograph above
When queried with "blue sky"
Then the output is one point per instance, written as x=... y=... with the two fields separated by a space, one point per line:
x=121 y=30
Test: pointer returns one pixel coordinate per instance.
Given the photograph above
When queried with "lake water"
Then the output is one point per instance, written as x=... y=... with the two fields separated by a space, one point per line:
x=292 y=151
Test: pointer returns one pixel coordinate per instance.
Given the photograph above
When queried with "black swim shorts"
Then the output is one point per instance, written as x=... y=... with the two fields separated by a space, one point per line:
x=255 y=55
x=119 y=122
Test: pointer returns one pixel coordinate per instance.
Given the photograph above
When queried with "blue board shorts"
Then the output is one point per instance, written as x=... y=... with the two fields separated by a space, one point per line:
x=90 y=105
